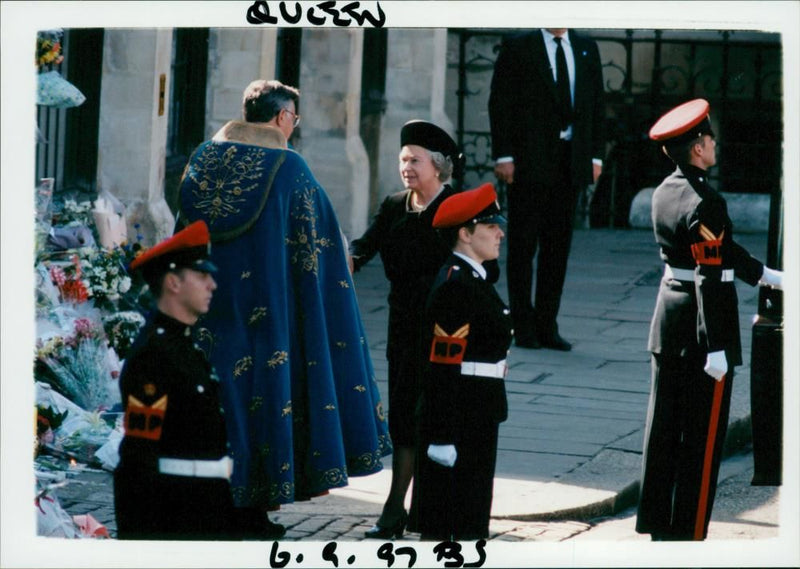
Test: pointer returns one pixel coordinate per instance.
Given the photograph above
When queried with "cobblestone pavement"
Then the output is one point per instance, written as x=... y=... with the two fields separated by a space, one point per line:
x=90 y=491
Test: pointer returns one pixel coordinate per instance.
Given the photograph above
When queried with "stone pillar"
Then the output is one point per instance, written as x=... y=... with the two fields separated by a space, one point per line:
x=330 y=104
x=416 y=68
x=236 y=56
x=133 y=126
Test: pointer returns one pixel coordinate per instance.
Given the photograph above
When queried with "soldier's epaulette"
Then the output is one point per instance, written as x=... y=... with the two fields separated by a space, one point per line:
x=453 y=272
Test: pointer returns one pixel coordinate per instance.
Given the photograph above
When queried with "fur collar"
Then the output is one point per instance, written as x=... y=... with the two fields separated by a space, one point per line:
x=257 y=134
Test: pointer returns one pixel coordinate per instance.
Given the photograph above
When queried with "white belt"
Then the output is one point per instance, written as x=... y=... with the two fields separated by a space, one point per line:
x=485 y=369
x=222 y=468
x=688 y=275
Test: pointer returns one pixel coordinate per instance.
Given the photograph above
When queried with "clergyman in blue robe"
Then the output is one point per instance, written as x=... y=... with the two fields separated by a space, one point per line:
x=284 y=330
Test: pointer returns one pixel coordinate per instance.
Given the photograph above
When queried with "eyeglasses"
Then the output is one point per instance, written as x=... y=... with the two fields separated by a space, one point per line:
x=296 y=120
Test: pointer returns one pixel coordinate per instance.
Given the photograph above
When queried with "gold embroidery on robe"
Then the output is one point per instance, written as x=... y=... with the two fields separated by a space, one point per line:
x=242 y=366
x=217 y=195
x=306 y=246
x=257 y=314
x=278 y=358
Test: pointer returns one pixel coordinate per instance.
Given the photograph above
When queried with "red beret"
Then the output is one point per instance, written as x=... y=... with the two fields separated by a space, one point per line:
x=685 y=122
x=189 y=248
x=476 y=206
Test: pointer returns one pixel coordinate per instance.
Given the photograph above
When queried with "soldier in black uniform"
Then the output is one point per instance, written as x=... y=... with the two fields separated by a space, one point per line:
x=172 y=478
x=463 y=398
x=694 y=334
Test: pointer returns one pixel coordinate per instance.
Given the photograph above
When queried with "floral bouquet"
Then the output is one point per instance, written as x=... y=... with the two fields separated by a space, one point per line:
x=48 y=420
x=78 y=366
x=106 y=275
x=73 y=212
x=71 y=286
x=122 y=328
x=97 y=274
x=48 y=47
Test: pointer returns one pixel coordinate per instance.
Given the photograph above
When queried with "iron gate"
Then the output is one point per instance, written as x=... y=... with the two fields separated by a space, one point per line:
x=646 y=72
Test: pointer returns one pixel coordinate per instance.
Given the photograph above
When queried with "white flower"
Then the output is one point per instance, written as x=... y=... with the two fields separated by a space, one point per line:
x=125 y=285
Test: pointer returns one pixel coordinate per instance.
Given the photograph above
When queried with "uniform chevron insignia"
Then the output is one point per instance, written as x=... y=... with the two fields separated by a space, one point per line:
x=145 y=421
x=448 y=348
x=462 y=332
x=708 y=235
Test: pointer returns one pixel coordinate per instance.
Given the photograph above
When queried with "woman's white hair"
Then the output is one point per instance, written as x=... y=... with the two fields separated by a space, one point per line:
x=444 y=164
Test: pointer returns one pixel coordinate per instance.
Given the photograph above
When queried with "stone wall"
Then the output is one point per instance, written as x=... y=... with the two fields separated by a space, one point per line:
x=133 y=127
x=235 y=58
x=330 y=87
x=415 y=89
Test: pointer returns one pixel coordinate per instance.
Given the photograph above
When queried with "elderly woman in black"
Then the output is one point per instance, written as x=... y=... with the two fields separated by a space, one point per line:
x=412 y=254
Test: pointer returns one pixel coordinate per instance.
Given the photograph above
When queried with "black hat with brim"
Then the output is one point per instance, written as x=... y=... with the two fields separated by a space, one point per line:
x=429 y=136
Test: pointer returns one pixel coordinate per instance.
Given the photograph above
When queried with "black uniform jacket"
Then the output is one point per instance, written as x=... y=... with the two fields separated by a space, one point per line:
x=692 y=227
x=465 y=321
x=410 y=248
x=171 y=399
x=523 y=109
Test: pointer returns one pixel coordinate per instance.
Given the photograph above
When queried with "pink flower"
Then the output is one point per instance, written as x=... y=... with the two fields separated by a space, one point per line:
x=58 y=276
x=83 y=327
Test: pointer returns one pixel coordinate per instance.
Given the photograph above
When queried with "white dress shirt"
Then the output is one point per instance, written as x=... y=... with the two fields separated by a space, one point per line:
x=551 y=46
x=473 y=263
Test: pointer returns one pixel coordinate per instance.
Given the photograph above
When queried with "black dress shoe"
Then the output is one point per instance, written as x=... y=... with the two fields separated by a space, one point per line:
x=555 y=342
x=254 y=524
x=272 y=530
x=395 y=531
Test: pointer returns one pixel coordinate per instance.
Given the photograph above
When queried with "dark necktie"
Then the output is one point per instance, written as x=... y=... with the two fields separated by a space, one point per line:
x=562 y=86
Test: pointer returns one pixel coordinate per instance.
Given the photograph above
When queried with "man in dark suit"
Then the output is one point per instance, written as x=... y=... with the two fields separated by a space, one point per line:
x=548 y=145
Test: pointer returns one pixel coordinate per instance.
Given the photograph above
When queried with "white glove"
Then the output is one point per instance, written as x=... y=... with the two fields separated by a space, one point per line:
x=771 y=278
x=443 y=454
x=716 y=365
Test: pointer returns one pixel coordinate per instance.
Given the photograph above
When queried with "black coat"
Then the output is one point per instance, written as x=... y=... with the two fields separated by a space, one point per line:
x=172 y=409
x=453 y=405
x=465 y=321
x=412 y=253
x=410 y=249
x=523 y=109
x=702 y=315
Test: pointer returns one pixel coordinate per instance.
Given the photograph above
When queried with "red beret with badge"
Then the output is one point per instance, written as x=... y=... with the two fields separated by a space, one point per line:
x=472 y=206
x=684 y=123
x=187 y=249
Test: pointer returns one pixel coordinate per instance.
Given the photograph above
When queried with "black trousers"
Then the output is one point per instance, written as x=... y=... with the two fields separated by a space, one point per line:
x=158 y=506
x=540 y=216
x=676 y=440
x=456 y=503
